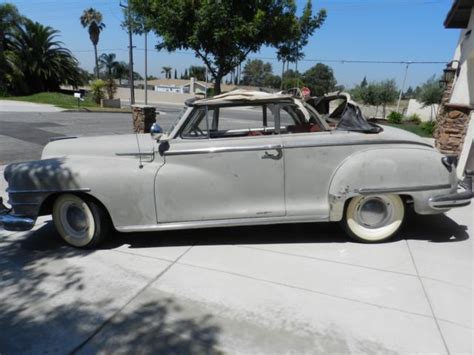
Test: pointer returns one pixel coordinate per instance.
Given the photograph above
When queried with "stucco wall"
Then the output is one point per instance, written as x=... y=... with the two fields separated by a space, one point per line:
x=463 y=92
x=153 y=96
x=425 y=113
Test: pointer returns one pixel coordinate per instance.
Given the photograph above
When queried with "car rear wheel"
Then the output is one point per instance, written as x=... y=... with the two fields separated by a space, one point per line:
x=79 y=221
x=374 y=218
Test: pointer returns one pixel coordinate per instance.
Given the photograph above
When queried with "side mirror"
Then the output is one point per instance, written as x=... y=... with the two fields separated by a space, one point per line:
x=156 y=131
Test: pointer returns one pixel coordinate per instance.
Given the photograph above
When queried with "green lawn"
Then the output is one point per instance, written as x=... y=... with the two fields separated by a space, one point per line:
x=68 y=102
x=410 y=128
x=54 y=98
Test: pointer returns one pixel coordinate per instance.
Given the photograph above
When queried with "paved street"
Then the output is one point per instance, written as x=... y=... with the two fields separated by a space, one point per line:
x=299 y=288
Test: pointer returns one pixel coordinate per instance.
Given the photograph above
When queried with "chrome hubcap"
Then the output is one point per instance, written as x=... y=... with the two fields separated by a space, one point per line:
x=373 y=212
x=76 y=218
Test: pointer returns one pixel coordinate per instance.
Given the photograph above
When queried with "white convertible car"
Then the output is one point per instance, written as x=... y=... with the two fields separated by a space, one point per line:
x=241 y=158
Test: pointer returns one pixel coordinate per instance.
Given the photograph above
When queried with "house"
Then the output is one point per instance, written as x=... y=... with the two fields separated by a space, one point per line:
x=455 y=130
x=178 y=86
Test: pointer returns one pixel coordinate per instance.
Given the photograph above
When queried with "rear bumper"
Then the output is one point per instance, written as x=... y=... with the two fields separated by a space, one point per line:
x=14 y=223
x=457 y=199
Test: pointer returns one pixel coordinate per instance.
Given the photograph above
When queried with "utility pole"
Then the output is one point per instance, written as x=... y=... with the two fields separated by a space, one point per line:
x=403 y=86
x=130 y=55
x=146 y=58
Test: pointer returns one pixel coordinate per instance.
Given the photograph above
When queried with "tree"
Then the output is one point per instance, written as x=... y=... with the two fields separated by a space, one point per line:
x=388 y=93
x=166 y=71
x=255 y=72
x=272 y=81
x=291 y=50
x=364 y=83
x=92 y=19
x=121 y=71
x=197 y=72
x=108 y=62
x=175 y=74
x=320 y=79
x=9 y=19
x=40 y=62
x=409 y=94
x=221 y=33
x=431 y=95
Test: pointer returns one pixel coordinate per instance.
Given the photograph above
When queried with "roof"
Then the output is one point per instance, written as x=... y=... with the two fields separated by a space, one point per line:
x=459 y=14
x=241 y=97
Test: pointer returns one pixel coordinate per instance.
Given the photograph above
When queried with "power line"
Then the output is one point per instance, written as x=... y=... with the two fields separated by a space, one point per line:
x=320 y=60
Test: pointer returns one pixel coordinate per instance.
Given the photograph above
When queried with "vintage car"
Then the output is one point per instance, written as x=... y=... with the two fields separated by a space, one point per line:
x=240 y=158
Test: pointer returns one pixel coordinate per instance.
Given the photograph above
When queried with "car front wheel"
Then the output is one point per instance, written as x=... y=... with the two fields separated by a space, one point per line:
x=79 y=221
x=374 y=218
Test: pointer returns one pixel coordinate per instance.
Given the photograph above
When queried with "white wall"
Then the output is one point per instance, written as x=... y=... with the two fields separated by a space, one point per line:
x=424 y=112
x=154 y=97
x=463 y=91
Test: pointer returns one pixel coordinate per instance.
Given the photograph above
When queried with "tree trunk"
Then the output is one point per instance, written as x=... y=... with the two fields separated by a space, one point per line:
x=2 y=61
x=384 y=108
x=282 y=73
x=217 y=84
x=96 y=63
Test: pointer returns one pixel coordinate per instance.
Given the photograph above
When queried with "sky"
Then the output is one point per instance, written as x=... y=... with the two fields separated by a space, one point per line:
x=361 y=30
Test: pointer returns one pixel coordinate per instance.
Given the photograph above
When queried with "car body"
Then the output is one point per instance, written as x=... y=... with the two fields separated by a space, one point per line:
x=241 y=158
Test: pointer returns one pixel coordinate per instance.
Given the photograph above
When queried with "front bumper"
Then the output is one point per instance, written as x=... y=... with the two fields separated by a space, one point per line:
x=14 y=223
x=460 y=198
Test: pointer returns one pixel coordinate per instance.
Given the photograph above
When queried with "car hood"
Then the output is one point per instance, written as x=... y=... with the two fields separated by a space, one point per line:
x=114 y=145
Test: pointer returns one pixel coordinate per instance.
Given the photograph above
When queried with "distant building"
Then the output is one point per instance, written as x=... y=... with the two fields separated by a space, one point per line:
x=455 y=132
x=179 y=86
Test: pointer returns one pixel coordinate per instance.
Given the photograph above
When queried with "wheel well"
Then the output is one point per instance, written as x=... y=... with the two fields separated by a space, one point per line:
x=47 y=205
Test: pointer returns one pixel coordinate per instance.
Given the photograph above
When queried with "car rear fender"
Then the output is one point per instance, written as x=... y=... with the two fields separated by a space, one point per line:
x=411 y=171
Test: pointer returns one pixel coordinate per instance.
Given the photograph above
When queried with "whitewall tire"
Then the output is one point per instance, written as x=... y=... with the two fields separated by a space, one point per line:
x=79 y=221
x=374 y=218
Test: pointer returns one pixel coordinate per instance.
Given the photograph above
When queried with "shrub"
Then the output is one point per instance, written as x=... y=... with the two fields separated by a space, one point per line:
x=428 y=127
x=97 y=90
x=395 y=117
x=415 y=118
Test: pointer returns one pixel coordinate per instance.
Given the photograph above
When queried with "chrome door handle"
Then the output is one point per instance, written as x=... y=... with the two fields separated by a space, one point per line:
x=276 y=156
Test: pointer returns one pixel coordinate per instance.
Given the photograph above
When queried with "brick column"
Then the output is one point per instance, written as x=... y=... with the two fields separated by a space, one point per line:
x=143 y=118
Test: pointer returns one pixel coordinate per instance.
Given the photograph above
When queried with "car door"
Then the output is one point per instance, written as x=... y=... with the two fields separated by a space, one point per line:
x=227 y=177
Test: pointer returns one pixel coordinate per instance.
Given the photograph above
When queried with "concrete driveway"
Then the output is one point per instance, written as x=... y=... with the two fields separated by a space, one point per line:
x=301 y=288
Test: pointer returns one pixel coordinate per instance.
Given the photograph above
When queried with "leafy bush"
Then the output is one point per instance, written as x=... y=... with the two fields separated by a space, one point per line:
x=415 y=118
x=428 y=127
x=395 y=117
x=97 y=90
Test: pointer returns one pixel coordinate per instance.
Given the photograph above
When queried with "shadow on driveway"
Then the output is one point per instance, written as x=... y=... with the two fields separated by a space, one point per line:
x=47 y=306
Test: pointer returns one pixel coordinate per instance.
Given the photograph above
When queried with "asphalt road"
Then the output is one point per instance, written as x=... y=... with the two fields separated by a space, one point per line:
x=297 y=288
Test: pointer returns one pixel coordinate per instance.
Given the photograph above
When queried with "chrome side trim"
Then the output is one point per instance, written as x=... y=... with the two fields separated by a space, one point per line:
x=289 y=146
x=85 y=189
x=223 y=223
x=364 y=142
x=134 y=154
x=54 y=139
x=366 y=191
x=224 y=149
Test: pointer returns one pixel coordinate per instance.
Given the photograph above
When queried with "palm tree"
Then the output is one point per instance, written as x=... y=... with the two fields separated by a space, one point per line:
x=120 y=71
x=9 y=18
x=39 y=61
x=108 y=62
x=92 y=19
x=167 y=72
